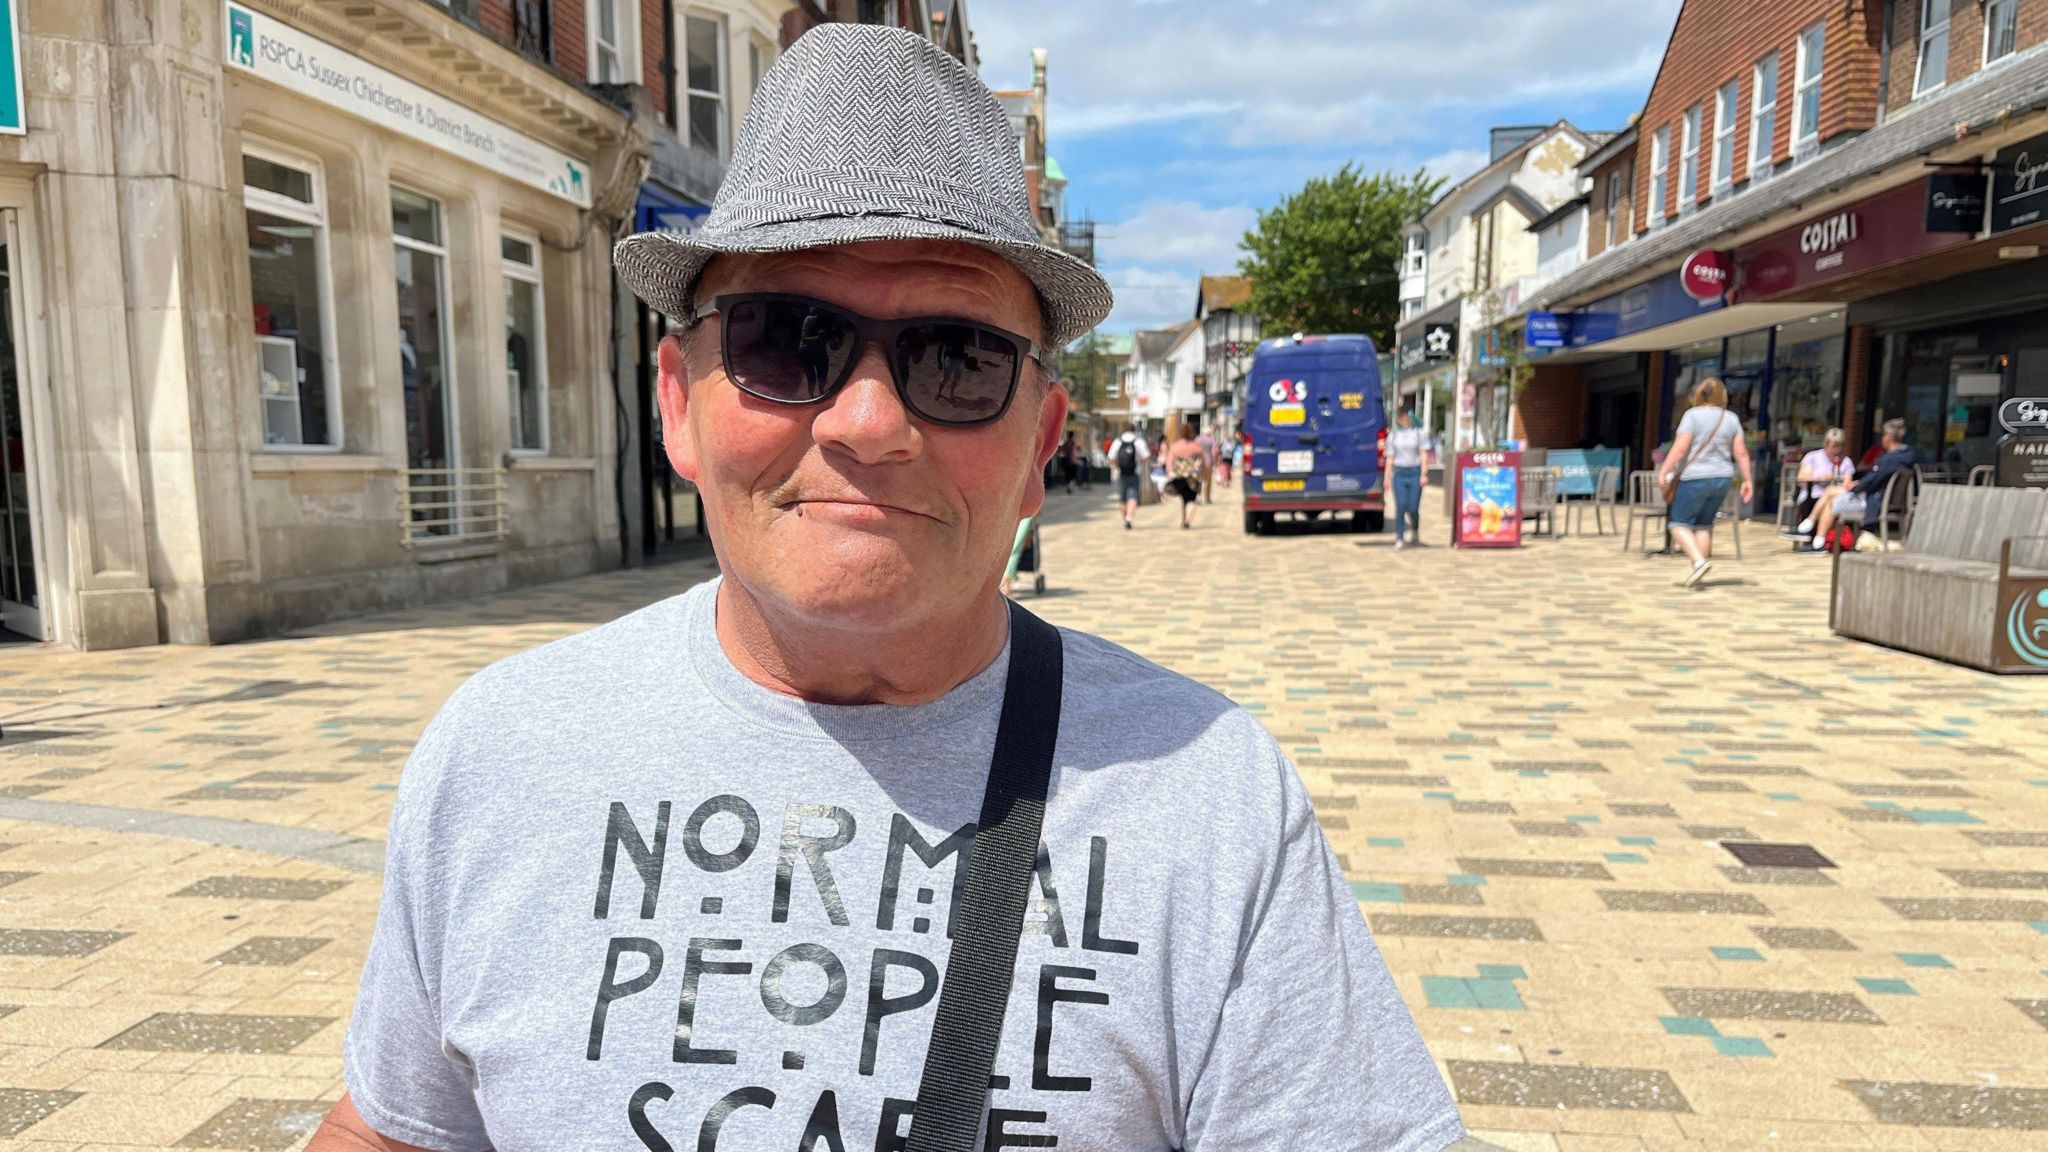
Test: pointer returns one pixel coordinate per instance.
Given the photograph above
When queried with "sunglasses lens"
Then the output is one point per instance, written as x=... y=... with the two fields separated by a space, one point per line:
x=788 y=351
x=957 y=373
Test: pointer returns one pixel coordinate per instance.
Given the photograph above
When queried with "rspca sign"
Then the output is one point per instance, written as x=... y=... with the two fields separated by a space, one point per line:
x=282 y=55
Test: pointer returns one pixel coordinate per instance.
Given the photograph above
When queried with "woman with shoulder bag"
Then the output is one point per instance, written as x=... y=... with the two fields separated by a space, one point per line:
x=1706 y=455
x=1184 y=472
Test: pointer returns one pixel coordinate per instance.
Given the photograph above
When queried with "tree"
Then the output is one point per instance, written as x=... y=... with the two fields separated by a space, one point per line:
x=1327 y=258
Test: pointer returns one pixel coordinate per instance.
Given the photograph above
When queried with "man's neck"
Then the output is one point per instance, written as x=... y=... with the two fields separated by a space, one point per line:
x=826 y=665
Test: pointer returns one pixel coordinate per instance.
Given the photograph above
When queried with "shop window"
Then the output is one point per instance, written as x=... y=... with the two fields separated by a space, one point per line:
x=2001 y=30
x=1763 y=117
x=424 y=337
x=614 y=45
x=1660 y=163
x=1932 y=70
x=526 y=357
x=1724 y=139
x=292 y=302
x=1689 y=163
x=704 y=71
x=1806 y=91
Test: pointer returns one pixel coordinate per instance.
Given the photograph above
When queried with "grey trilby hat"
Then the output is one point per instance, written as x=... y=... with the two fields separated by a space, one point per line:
x=862 y=132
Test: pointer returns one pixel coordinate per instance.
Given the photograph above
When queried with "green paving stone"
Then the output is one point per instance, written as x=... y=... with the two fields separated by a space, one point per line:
x=1449 y=992
x=1923 y=960
x=1885 y=986
x=1639 y=841
x=1582 y=819
x=1626 y=858
x=1496 y=994
x=1782 y=795
x=1740 y=1046
x=1376 y=893
x=1689 y=1026
x=1502 y=972
x=1736 y=953
x=1469 y=880
x=1383 y=842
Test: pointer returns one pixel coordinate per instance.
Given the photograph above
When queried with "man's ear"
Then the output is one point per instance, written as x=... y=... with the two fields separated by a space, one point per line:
x=672 y=393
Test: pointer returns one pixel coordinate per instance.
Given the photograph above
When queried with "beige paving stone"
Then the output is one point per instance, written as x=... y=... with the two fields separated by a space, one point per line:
x=1366 y=669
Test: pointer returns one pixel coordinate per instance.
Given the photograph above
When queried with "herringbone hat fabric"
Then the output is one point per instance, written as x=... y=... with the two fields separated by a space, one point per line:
x=862 y=132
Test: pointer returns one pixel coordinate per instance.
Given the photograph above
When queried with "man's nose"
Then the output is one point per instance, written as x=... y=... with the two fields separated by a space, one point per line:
x=866 y=419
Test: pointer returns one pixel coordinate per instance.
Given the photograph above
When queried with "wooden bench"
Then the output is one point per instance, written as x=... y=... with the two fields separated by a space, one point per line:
x=1971 y=586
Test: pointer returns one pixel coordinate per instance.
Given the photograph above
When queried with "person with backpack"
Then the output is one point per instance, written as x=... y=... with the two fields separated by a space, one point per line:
x=1130 y=456
x=1709 y=451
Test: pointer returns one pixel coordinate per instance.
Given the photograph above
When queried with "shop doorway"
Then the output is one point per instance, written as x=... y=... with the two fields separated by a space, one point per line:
x=21 y=586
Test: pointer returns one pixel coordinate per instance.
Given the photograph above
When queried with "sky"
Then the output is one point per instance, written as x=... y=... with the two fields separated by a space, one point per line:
x=1178 y=120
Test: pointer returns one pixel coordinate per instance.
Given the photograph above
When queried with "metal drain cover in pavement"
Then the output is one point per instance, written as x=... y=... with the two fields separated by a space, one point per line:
x=1777 y=855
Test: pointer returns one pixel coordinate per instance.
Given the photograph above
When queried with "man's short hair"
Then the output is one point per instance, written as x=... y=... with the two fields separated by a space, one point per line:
x=1895 y=429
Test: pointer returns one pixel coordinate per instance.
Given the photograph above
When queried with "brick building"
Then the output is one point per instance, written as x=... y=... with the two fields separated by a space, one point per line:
x=1824 y=168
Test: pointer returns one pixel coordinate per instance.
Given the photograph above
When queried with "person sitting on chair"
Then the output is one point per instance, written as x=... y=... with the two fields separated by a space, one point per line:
x=1852 y=501
x=1821 y=469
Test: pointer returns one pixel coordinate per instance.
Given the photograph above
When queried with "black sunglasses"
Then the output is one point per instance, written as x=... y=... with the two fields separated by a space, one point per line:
x=796 y=350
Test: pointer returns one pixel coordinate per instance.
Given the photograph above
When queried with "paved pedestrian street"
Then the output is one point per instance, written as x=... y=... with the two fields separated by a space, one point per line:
x=1654 y=868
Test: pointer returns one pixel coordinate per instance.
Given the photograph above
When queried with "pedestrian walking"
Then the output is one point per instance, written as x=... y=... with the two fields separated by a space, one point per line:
x=707 y=864
x=1710 y=451
x=1069 y=460
x=1407 y=454
x=1130 y=457
x=1185 y=464
x=1207 y=442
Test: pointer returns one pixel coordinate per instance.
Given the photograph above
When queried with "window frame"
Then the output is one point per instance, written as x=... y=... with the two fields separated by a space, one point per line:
x=1763 y=142
x=1689 y=160
x=1806 y=144
x=1660 y=175
x=1721 y=176
x=626 y=45
x=2012 y=6
x=449 y=371
x=722 y=55
x=1415 y=255
x=315 y=215
x=531 y=273
x=1613 y=207
x=1930 y=31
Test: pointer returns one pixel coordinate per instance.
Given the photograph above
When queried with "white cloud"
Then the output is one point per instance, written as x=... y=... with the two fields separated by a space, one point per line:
x=1456 y=164
x=1149 y=297
x=1371 y=71
x=1177 y=232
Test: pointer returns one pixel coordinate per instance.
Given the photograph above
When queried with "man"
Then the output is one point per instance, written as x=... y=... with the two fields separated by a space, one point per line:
x=689 y=879
x=1129 y=457
x=1820 y=470
x=1858 y=501
x=1407 y=455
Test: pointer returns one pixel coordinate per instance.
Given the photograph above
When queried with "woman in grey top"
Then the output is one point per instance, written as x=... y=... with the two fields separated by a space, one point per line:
x=1706 y=455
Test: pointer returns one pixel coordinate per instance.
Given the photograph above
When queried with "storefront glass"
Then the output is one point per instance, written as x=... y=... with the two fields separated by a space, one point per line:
x=287 y=234
x=1948 y=383
x=420 y=263
x=525 y=358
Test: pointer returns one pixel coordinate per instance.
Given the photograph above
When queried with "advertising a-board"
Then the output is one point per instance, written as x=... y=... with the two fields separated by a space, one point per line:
x=1489 y=500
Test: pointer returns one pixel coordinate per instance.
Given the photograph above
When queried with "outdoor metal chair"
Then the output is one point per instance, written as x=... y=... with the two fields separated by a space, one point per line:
x=1603 y=501
x=1984 y=476
x=1538 y=493
x=1645 y=503
x=1788 y=497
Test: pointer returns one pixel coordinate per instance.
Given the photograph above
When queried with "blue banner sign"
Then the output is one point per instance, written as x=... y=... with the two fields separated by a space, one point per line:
x=1545 y=330
x=1578 y=469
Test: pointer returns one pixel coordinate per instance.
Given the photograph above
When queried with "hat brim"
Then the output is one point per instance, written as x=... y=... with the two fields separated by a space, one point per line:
x=662 y=268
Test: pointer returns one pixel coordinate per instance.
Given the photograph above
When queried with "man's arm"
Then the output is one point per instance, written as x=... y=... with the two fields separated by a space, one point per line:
x=345 y=1130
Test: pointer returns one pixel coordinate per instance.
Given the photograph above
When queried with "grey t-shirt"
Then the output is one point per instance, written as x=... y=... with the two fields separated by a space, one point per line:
x=1714 y=435
x=634 y=900
x=1406 y=447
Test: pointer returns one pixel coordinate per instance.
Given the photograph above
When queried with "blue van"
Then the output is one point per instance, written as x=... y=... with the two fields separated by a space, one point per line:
x=1312 y=409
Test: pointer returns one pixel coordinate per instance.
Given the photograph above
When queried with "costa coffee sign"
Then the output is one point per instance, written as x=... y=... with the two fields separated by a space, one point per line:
x=1885 y=229
x=1707 y=273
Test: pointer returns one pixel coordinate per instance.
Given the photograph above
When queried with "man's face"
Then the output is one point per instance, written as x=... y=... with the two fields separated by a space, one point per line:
x=853 y=513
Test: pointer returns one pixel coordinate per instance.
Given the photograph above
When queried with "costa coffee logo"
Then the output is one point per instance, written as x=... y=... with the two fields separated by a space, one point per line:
x=1707 y=274
x=1828 y=235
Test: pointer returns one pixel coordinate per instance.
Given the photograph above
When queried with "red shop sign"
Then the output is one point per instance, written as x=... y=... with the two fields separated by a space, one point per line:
x=1885 y=229
x=1707 y=273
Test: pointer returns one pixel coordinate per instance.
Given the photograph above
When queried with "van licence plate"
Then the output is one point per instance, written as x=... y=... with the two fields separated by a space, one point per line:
x=1303 y=460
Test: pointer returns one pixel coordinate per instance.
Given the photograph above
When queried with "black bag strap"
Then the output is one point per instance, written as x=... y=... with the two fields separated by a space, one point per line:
x=953 y=1091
